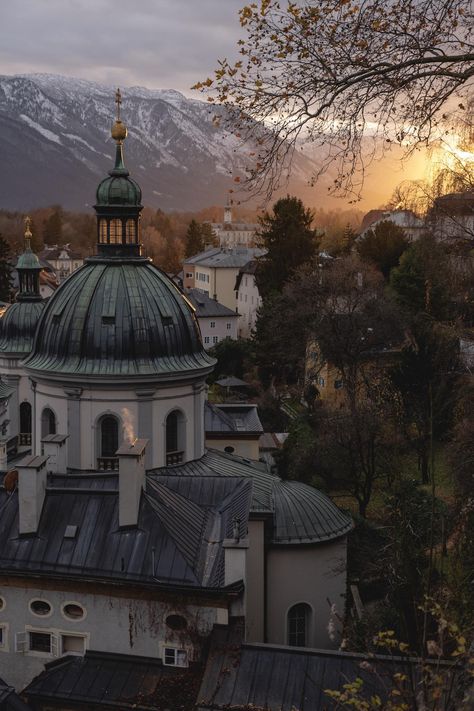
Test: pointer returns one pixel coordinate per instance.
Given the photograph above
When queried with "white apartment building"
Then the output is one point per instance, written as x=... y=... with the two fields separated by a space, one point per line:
x=215 y=271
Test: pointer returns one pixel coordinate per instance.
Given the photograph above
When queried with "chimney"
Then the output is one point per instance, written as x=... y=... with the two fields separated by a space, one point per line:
x=54 y=447
x=131 y=457
x=31 y=492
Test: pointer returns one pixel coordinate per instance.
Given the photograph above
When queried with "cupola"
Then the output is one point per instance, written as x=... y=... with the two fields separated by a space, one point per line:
x=118 y=202
x=28 y=267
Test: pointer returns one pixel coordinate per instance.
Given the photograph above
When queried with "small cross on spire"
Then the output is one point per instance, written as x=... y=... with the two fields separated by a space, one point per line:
x=118 y=101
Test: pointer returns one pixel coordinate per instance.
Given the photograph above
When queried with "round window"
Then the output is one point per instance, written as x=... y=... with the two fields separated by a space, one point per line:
x=73 y=611
x=176 y=622
x=40 y=607
x=2 y=604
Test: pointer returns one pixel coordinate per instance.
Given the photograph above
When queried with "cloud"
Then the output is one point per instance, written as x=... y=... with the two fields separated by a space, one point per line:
x=155 y=43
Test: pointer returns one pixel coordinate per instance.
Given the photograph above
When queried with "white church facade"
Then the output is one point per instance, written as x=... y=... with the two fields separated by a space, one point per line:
x=119 y=531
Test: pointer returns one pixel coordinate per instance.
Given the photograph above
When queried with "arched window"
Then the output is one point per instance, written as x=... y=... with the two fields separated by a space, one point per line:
x=115 y=231
x=103 y=231
x=109 y=435
x=130 y=233
x=25 y=418
x=298 y=624
x=175 y=437
x=48 y=422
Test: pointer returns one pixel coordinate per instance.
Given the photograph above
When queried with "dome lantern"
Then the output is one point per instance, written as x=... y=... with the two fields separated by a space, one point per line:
x=118 y=202
x=28 y=267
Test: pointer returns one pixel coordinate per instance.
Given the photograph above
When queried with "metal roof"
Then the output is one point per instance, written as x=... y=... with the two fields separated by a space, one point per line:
x=121 y=681
x=177 y=541
x=120 y=317
x=18 y=326
x=9 y=700
x=300 y=513
x=274 y=678
x=225 y=258
x=207 y=307
x=231 y=418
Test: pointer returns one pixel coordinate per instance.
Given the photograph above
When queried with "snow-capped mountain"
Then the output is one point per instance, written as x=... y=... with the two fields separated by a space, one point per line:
x=56 y=145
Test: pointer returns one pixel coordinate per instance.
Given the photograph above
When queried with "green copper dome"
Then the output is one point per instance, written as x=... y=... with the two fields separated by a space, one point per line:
x=118 y=188
x=118 y=319
x=18 y=327
x=28 y=260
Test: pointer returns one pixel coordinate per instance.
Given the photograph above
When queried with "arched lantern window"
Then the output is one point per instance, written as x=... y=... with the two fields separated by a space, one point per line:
x=48 y=422
x=298 y=624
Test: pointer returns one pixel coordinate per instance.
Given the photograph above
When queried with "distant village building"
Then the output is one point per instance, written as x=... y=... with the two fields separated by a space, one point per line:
x=248 y=298
x=234 y=428
x=216 y=321
x=452 y=217
x=121 y=535
x=234 y=234
x=63 y=260
x=215 y=272
x=412 y=225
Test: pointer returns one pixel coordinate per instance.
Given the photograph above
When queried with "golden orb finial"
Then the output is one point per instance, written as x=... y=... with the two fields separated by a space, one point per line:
x=119 y=130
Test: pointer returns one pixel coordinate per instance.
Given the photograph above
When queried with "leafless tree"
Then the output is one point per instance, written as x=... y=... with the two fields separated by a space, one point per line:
x=350 y=77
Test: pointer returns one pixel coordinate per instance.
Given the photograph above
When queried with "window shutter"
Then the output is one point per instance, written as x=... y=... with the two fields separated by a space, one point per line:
x=54 y=645
x=21 y=639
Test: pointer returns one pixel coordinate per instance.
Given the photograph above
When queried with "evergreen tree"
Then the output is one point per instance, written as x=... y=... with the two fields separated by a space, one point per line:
x=194 y=240
x=53 y=227
x=5 y=271
x=383 y=246
x=36 y=241
x=290 y=241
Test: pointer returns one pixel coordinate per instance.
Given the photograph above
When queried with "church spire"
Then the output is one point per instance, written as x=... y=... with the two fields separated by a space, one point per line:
x=118 y=203
x=28 y=267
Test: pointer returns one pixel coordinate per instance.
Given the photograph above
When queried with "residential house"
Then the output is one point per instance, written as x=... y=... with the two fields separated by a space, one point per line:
x=216 y=321
x=234 y=234
x=63 y=260
x=215 y=271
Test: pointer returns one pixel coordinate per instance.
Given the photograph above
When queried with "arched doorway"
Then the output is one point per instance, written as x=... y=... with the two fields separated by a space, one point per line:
x=175 y=437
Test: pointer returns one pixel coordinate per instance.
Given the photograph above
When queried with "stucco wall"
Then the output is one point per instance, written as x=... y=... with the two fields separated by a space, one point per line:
x=219 y=331
x=111 y=624
x=142 y=413
x=255 y=583
x=311 y=574
x=243 y=448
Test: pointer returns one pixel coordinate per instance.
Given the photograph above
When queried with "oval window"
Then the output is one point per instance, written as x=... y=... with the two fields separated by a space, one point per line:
x=73 y=611
x=40 y=607
x=176 y=622
x=2 y=603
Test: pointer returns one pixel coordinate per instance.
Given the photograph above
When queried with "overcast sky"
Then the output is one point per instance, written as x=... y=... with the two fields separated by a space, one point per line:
x=153 y=43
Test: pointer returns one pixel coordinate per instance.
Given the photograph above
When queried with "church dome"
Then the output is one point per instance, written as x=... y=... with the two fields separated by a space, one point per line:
x=118 y=189
x=116 y=318
x=18 y=326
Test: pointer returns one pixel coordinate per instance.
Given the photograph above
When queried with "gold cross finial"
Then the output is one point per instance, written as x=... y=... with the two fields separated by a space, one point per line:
x=118 y=101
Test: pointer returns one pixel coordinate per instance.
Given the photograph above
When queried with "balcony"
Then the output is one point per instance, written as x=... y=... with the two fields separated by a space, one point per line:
x=174 y=458
x=107 y=464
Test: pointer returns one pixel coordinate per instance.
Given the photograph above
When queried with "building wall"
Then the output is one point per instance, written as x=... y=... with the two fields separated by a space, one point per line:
x=219 y=331
x=142 y=412
x=255 y=583
x=312 y=574
x=248 y=302
x=125 y=625
x=247 y=448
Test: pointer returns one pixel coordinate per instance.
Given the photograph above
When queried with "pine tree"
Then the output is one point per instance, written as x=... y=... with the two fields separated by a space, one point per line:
x=194 y=241
x=53 y=227
x=5 y=271
x=290 y=241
